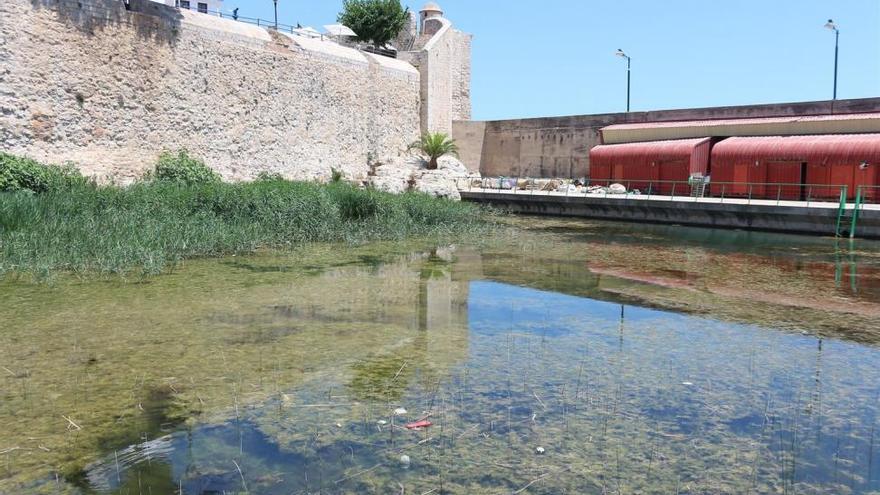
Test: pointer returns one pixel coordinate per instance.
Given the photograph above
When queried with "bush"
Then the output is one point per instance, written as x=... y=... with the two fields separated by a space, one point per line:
x=24 y=174
x=180 y=167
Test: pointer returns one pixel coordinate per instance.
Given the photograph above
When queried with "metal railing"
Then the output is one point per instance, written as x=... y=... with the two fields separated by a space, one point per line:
x=849 y=203
x=288 y=28
x=864 y=195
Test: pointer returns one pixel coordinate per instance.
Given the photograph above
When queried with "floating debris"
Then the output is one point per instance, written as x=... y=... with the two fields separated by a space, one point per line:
x=539 y=450
x=399 y=411
x=405 y=460
x=688 y=384
x=418 y=425
x=381 y=422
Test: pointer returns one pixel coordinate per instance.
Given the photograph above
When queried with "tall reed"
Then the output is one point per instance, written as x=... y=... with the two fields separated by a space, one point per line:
x=149 y=226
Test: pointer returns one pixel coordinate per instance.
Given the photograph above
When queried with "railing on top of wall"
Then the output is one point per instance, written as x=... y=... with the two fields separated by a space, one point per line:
x=288 y=28
x=849 y=203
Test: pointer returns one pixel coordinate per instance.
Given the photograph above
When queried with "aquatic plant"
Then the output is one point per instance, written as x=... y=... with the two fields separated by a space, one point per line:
x=150 y=226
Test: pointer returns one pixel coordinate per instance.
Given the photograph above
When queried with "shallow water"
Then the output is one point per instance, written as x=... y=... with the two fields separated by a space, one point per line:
x=636 y=359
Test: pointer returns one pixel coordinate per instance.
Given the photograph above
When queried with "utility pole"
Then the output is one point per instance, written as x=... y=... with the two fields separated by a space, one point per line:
x=621 y=53
x=276 y=14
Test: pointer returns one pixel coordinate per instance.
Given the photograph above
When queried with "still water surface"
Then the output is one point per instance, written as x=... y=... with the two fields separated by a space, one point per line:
x=555 y=357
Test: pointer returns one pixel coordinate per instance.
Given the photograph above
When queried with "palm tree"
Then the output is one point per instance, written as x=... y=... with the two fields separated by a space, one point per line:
x=433 y=145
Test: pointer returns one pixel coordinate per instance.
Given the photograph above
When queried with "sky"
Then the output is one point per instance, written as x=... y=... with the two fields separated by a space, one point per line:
x=556 y=57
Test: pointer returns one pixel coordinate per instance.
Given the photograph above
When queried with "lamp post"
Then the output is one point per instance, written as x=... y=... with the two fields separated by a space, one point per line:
x=621 y=53
x=276 y=14
x=832 y=26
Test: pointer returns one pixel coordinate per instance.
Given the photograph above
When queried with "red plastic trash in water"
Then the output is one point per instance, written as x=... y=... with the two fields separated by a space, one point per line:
x=418 y=425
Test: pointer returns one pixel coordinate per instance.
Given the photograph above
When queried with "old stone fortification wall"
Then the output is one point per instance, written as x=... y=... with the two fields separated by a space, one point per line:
x=469 y=136
x=461 y=75
x=445 y=73
x=560 y=146
x=110 y=89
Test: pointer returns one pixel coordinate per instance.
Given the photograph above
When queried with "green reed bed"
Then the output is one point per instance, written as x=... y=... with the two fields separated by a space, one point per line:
x=149 y=226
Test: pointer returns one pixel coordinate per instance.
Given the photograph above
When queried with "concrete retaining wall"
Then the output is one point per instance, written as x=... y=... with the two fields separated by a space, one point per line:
x=560 y=146
x=815 y=221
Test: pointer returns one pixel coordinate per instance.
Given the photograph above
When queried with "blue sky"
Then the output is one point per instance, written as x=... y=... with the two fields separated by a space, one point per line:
x=555 y=57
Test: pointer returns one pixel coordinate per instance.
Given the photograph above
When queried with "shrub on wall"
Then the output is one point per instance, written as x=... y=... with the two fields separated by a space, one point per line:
x=24 y=174
x=183 y=168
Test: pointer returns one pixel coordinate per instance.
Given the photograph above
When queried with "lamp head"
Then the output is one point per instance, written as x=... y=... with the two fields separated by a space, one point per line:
x=621 y=53
x=831 y=25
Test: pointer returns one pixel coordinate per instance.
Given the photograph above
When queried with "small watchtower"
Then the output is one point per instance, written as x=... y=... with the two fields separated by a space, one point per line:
x=429 y=18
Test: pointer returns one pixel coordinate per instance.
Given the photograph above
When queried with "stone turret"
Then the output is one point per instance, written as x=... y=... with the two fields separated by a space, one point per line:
x=443 y=56
x=428 y=18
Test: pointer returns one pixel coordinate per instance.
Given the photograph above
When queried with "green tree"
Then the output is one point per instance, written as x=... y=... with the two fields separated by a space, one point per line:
x=435 y=145
x=376 y=21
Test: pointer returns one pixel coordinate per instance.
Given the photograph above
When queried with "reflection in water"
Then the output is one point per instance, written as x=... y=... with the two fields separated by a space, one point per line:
x=621 y=399
x=573 y=358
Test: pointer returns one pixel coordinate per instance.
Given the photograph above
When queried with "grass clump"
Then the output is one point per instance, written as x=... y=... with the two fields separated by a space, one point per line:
x=151 y=225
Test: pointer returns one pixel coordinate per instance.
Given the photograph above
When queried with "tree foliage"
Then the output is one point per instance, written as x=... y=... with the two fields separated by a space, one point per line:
x=376 y=21
x=434 y=145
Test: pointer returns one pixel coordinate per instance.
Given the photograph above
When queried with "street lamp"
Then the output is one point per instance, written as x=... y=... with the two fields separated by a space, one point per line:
x=621 y=53
x=832 y=26
x=276 y=14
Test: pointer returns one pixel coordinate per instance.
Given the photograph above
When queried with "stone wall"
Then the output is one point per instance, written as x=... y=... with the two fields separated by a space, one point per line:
x=560 y=146
x=461 y=75
x=107 y=89
x=443 y=60
x=469 y=138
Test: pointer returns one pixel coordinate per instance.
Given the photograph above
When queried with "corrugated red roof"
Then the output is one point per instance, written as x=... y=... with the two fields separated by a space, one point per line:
x=763 y=120
x=654 y=149
x=839 y=146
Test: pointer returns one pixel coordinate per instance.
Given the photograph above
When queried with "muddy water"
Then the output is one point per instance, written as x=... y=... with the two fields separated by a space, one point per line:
x=554 y=357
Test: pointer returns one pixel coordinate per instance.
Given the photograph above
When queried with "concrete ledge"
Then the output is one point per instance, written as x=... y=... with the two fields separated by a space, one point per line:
x=394 y=65
x=228 y=26
x=328 y=49
x=791 y=219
